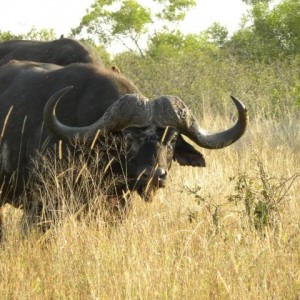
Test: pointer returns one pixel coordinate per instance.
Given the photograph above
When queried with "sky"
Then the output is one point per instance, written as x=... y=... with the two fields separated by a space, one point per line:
x=19 y=16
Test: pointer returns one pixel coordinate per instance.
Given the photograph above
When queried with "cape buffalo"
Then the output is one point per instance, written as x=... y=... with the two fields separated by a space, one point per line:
x=63 y=51
x=96 y=102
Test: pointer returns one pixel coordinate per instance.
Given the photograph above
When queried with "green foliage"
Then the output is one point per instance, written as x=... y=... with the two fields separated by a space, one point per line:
x=245 y=45
x=253 y=2
x=42 y=35
x=115 y=21
x=207 y=76
x=279 y=27
x=127 y=21
x=32 y=34
x=166 y=44
x=262 y=195
x=274 y=33
x=130 y=19
x=175 y=10
x=259 y=198
x=296 y=93
x=7 y=35
x=204 y=68
x=217 y=33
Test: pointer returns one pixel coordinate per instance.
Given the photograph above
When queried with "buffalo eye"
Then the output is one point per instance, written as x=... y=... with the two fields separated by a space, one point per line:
x=170 y=140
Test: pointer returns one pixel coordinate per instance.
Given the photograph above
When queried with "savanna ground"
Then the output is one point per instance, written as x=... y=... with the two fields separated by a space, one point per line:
x=227 y=231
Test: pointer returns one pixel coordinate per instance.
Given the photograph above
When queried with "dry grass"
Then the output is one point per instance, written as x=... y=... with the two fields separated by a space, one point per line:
x=195 y=241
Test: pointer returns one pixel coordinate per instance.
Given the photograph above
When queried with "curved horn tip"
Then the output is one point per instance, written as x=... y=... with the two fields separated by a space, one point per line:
x=66 y=89
x=59 y=94
x=238 y=103
x=56 y=96
x=54 y=99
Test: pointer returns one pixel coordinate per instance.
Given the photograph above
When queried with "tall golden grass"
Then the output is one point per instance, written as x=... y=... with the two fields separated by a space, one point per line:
x=227 y=231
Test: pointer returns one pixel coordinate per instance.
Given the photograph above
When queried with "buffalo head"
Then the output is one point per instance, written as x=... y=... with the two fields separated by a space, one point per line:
x=152 y=134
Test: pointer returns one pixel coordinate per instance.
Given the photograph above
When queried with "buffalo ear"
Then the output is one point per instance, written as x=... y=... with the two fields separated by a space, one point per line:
x=186 y=155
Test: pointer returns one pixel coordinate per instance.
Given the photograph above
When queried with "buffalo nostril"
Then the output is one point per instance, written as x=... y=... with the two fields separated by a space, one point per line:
x=160 y=173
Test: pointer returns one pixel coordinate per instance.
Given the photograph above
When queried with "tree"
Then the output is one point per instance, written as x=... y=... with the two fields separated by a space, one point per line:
x=253 y=2
x=7 y=35
x=280 y=26
x=174 y=44
x=174 y=10
x=128 y=22
x=217 y=33
x=42 y=34
x=273 y=33
x=32 y=34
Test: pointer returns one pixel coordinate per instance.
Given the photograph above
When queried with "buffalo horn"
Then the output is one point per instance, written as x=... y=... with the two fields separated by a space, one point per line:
x=136 y=110
x=129 y=110
x=171 y=111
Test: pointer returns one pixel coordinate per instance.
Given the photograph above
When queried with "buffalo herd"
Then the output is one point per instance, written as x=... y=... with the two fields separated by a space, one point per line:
x=97 y=104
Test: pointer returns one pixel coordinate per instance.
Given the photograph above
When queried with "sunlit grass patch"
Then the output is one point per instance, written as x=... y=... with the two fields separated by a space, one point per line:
x=198 y=239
